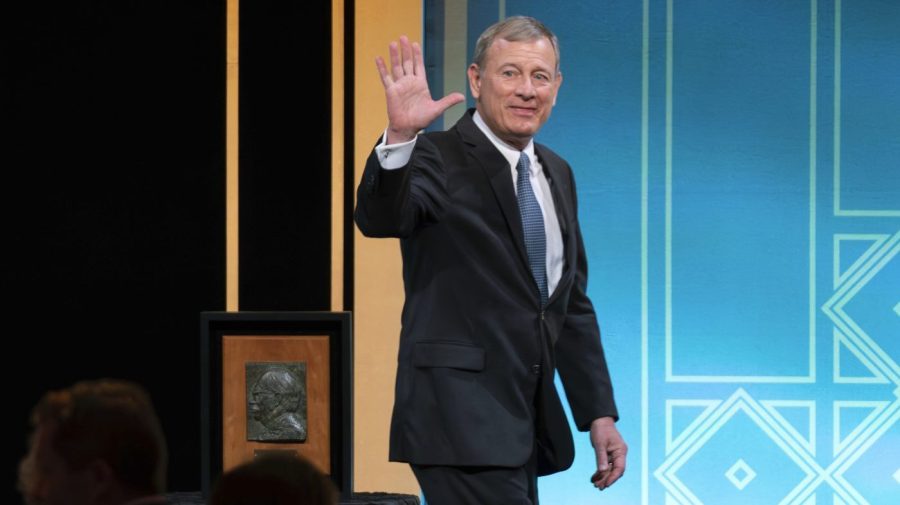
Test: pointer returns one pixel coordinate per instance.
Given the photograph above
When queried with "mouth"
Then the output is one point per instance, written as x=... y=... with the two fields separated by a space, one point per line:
x=523 y=111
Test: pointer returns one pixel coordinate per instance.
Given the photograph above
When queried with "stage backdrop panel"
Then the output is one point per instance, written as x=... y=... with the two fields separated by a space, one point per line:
x=739 y=191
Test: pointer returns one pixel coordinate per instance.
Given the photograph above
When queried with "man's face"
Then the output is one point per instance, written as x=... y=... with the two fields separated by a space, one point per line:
x=51 y=481
x=264 y=403
x=516 y=89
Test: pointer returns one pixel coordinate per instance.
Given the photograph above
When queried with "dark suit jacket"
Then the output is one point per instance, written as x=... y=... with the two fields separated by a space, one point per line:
x=477 y=350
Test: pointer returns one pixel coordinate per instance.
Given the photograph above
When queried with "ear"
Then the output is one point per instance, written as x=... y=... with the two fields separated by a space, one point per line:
x=474 y=80
x=556 y=86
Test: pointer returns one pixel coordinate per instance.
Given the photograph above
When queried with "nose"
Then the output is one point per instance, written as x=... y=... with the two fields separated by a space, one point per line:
x=525 y=88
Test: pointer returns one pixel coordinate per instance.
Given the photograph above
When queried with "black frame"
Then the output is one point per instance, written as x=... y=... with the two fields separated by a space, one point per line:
x=336 y=325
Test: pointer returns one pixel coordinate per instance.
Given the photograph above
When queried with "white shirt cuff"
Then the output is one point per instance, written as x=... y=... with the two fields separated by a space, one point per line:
x=394 y=156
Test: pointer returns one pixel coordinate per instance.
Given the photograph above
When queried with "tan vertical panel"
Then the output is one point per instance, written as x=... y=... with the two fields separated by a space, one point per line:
x=337 y=155
x=378 y=289
x=231 y=156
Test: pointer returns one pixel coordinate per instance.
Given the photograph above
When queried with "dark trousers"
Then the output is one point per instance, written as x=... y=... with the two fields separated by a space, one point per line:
x=478 y=485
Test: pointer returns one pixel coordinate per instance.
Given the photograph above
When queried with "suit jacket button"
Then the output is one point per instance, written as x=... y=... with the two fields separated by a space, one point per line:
x=536 y=369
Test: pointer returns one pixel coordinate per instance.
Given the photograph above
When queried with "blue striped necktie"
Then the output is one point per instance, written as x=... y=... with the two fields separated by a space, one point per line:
x=533 y=225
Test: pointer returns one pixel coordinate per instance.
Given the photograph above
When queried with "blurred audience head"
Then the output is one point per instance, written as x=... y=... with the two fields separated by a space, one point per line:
x=275 y=479
x=94 y=443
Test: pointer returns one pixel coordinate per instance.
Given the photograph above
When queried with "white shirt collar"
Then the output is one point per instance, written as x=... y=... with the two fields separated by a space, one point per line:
x=509 y=152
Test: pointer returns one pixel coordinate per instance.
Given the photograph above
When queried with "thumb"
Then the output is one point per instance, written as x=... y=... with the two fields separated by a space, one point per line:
x=450 y=100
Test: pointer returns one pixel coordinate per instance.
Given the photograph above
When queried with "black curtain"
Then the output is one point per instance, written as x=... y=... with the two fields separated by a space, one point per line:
x=114 y=193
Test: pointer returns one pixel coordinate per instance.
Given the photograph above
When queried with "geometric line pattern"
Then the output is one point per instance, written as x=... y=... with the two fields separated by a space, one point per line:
x=671 y=376
x=776 y=406
x=854 y=446
x=747 y=474
x=851 y=284
x=783 y=435
x=838 y=210
x=672 y=405
x=843 y=238
x=786 y=438
x=865 y=362
x=849 y=335
x=842 y=343
x=874 y=407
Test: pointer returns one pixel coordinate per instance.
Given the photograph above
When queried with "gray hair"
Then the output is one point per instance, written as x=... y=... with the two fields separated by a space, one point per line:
x=513 y=29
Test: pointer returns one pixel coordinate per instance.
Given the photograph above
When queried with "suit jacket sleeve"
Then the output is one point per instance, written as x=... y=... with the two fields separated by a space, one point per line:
x=579 y=352
x=394 y=203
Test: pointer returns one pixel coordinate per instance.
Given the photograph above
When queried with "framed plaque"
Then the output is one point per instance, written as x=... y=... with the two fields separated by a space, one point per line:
x=276 y=382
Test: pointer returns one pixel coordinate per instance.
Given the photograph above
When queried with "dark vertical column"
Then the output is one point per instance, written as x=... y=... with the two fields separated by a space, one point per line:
x=285 y=160
x=349 y=139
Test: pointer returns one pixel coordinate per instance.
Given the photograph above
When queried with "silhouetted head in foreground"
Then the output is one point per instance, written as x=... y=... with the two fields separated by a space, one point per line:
x=94 y=443
x=274 y=479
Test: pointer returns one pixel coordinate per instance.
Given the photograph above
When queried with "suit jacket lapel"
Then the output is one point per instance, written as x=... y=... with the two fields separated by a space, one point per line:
x=497 y=170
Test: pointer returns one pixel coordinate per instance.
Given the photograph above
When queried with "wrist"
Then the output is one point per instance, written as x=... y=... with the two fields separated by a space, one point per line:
x=399 y=136
x=603 y=421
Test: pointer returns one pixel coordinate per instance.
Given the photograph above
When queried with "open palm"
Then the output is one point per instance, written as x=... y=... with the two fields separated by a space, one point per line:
x=409 y=104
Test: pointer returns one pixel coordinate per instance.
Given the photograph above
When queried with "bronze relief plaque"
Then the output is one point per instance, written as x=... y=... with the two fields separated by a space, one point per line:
x=276 y=401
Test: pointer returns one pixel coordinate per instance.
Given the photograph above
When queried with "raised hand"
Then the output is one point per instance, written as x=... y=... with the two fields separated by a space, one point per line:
x=409 y=104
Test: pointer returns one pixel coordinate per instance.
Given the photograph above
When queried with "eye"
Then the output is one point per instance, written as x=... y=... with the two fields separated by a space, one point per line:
x=541 y=77
x=507 y=73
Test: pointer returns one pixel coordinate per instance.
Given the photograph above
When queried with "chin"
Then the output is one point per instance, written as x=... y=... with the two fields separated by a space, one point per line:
x=525 y=133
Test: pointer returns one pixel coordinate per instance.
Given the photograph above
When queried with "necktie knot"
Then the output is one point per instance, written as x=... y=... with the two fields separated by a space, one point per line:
x=524 y=164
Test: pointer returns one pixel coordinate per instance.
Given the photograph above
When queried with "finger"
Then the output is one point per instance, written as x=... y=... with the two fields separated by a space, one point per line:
x=382 y=71
x=602 y=458
x=407 y=53
x=396 y=69
x=601 y=480
x=614 y=474
x=617 y=466
x=600 y=476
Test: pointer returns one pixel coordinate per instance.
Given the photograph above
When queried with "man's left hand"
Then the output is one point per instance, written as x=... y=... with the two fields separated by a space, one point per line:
x=610 y=450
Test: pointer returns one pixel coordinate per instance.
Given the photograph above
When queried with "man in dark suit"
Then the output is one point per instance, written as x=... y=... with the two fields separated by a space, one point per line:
x=494 y=274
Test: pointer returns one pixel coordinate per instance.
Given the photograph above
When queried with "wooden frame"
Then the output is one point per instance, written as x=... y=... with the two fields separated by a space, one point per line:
x=229 y=340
